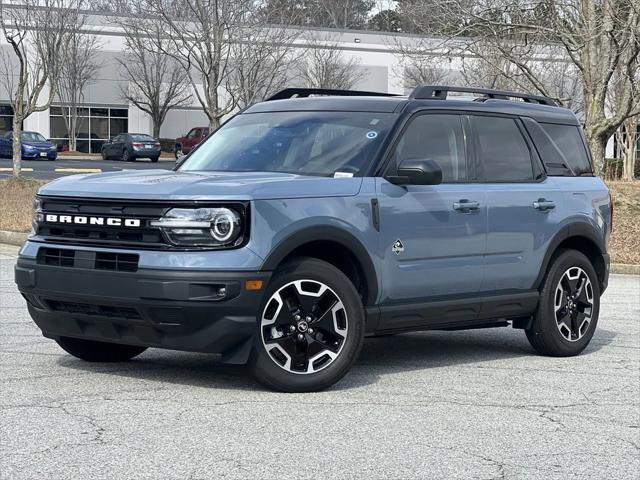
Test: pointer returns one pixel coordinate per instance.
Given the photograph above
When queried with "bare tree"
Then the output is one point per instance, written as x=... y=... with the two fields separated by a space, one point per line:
x=37 y=32
x=157 y=82
x=599 y=37
x=419 y=64
x=79 y=68
x=326 y=67
x=627 y=142
x=264 y=57
x=199 y=36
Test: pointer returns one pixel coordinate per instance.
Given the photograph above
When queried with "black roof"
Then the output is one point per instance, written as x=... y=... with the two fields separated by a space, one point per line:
x=536 y=107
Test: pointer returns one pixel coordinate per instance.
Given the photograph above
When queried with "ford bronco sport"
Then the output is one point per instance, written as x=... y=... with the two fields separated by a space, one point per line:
x=319 y=217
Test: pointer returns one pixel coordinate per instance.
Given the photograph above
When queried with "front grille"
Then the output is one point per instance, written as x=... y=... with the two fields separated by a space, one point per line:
x=120 y=262
x=56 y=257
x=143 y=236
x=94 y=310
x=112 y=261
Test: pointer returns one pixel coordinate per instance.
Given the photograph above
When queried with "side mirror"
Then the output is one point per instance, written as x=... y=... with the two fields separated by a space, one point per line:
x=417 y=171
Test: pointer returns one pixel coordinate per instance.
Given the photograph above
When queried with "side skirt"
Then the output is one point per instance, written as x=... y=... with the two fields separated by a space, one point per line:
x=489 y=310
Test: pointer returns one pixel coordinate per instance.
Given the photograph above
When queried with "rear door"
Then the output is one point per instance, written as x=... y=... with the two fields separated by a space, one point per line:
x=524 y=208
x=432 y=236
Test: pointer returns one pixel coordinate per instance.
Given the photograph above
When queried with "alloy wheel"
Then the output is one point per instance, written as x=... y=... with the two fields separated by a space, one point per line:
x=573 y=304
x=304 y=326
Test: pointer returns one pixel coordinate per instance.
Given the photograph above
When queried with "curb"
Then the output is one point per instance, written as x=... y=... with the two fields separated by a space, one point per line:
x=13 y=238
x=18 y=238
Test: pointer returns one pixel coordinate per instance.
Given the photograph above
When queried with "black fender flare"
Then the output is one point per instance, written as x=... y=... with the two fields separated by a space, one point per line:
x=328 y=234
x=575 y=229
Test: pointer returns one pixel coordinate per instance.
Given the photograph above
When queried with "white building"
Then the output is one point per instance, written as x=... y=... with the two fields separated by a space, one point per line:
x=107 y=113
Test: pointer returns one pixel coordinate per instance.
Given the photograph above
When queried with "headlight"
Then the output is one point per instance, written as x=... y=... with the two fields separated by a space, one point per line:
x=202 y=227
x=29 y=147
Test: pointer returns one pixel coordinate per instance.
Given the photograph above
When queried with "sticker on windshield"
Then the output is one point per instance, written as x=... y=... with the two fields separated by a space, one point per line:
x=372 y=135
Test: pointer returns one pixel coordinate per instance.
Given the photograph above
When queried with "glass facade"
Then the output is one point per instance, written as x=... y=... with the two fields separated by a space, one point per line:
x=6 y=118
x=96 y=126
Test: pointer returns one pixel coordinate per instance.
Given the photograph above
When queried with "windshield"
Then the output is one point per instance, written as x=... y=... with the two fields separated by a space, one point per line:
x=32 y=137
x=305 y=143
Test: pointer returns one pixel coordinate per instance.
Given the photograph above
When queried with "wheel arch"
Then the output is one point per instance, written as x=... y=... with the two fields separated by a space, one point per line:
x=582 y=237
x=335 y=246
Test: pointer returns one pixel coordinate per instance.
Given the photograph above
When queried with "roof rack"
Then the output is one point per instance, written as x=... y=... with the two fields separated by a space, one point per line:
x=439 y=92
x=307 y=92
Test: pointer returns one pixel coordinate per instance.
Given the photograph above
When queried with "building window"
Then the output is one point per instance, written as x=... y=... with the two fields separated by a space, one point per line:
x=96 y=126
x=6 y=118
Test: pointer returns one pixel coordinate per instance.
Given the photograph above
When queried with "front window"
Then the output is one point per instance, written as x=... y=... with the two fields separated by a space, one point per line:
x=305 y=143
x=32 y=137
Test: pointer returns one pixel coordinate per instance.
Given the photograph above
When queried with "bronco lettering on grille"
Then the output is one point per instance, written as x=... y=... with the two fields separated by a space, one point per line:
x=82 y=220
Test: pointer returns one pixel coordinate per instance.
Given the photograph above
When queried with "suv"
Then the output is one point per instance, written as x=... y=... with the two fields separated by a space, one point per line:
x=188 y=142
x=319 y=217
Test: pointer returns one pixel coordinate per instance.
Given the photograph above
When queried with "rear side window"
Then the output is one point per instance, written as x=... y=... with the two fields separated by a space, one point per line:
x=566 y=143
x=438 y=137
x=502 y=150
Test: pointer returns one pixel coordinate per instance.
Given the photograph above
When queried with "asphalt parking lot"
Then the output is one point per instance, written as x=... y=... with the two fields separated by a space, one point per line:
x=46 y=170
x=475 y=404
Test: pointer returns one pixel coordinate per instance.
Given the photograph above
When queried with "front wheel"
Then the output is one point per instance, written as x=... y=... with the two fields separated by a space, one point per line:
x=310 y=328
x=92 y=351
x=569 y=305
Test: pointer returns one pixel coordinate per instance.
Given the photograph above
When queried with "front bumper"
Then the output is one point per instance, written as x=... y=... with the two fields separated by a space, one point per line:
x=34 y=154
x=174 y=309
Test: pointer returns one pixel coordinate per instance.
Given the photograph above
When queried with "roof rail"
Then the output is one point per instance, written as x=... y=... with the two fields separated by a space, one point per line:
x=439 y=92
x=307 y=92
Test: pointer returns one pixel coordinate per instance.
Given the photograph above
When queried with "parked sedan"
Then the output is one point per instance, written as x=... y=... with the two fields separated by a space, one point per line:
x=129 y=146
x=34 y=145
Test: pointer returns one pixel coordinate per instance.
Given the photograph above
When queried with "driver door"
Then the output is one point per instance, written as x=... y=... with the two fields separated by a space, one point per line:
x=433 y=237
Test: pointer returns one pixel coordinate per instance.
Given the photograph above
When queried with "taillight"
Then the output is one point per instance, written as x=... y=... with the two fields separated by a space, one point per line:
x=610 y=212
x=136 y=145
x=157 y=145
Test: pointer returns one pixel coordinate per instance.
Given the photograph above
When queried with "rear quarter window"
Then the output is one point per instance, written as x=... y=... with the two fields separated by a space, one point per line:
x=560 y=147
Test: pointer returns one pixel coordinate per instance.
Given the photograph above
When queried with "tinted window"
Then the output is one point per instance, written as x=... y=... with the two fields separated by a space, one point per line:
x=439 y=138
x=567 y=140
x=503 y=151
x=142 y=138
x=192 y=133
x=32 y=137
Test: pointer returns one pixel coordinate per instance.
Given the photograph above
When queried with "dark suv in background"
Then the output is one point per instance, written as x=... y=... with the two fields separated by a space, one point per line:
x=318 y=217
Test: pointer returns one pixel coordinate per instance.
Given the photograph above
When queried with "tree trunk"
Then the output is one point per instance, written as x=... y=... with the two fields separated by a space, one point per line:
x=214 y=123
x=17 y=146
x=72 y=132
x=598 y=146
x=628 y=139
x=156 y=129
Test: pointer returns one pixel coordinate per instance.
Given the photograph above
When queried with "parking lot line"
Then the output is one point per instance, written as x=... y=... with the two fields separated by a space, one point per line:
x=78 y=170
x=10 y=169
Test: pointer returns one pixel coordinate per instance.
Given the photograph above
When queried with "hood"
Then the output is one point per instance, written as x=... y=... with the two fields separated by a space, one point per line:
x=169 y=185
x=38 y=144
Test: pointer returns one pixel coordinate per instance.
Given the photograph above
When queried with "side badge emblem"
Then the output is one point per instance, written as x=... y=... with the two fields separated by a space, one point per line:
x=398 y=247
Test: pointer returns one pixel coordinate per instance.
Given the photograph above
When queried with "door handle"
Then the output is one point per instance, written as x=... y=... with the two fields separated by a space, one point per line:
x=544 y=204
x=465 y=205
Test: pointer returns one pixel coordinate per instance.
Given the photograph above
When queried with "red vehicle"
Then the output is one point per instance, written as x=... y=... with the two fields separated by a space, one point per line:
x=186 y=143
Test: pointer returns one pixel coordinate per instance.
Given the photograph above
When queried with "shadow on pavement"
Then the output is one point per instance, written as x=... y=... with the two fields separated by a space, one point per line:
x=380 y=356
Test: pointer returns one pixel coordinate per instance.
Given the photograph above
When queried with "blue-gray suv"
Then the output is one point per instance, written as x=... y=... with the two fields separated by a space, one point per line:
x=319 y=217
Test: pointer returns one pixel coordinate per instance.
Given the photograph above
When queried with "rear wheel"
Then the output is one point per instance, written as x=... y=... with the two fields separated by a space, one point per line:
x=103 y=155
x=310 y=328
x=154 y=159
x=126 y=156
x=93 y=351
x=569 y=306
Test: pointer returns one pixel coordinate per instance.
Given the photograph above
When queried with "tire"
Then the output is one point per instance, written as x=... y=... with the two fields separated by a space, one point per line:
x=92 y=351
x=329 y=344
x=126 y=156
x=154 y=159
x=103 y=155
x=177 y=151
x=554 y=331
